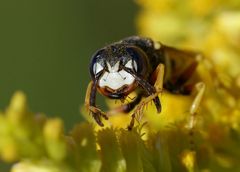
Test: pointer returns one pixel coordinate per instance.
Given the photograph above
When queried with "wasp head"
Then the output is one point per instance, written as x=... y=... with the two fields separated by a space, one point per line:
x=108 y=66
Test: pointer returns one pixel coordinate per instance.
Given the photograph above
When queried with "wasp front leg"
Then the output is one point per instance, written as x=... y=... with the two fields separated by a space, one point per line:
x=152 y=92
x=90 y=103
x=157 y=77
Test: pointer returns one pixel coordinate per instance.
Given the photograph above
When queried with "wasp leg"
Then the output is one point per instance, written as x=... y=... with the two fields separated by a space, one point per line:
x=151 y=91
x=200 y=88
x=90 y=103
x=158 y=77
x=126 y=107
x=158 y=85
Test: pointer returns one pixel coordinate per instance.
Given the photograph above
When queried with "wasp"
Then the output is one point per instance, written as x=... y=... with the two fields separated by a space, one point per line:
x=147 y=67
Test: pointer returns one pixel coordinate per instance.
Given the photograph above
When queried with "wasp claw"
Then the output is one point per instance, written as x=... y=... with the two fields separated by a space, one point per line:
x=97 y=118
x=97 y=114
x=104 y=116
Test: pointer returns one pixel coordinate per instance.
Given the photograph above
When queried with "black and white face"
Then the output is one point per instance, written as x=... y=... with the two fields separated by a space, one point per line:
x=109 y=66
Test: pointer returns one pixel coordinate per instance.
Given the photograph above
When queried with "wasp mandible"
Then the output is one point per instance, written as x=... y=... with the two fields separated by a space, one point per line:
x=142 y=65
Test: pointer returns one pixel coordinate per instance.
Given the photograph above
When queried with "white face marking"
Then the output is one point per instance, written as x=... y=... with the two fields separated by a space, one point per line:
x=97 y=68
x=115 y=79
x=129 y=64
x=114 y=68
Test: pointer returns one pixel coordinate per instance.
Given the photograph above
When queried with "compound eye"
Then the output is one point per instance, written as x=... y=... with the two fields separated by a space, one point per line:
x=96 y=65
x=138 y=59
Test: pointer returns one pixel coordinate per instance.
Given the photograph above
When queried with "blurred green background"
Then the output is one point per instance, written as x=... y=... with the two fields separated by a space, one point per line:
x=46 y=46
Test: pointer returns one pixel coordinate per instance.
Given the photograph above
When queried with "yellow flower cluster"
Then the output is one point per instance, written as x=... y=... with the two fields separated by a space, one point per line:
x=35 y=143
